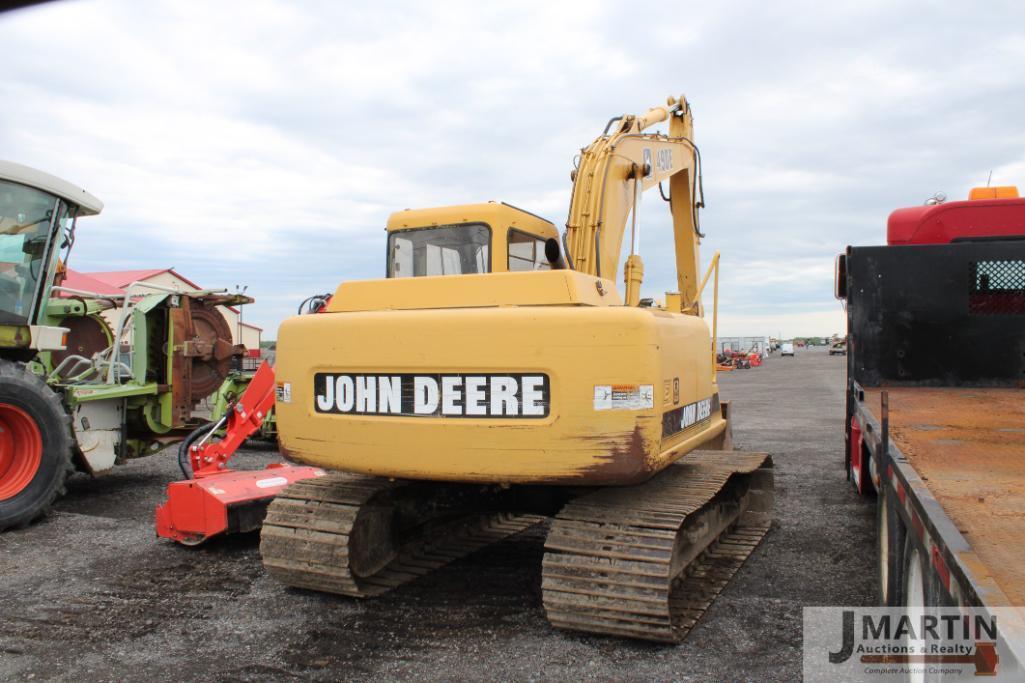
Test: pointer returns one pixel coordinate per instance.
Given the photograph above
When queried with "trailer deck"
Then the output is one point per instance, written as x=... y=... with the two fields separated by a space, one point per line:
x=968 y=445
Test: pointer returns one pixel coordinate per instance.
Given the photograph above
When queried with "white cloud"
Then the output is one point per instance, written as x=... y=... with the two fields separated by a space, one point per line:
x=269 y=145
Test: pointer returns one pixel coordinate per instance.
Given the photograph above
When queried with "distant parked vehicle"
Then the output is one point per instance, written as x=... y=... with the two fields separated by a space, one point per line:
x=838 y=348
x=786 y=349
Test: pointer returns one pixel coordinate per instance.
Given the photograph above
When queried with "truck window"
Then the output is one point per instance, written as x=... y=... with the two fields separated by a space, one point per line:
x=443 y=250
x=526 y=252
x=25 y=220
x=998 y=287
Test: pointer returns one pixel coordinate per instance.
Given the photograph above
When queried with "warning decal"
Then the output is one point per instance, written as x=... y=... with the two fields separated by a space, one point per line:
x=283 y=392
x=624 y=396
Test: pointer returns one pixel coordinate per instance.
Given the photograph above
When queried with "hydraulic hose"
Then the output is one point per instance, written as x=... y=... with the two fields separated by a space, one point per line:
x=183 y=450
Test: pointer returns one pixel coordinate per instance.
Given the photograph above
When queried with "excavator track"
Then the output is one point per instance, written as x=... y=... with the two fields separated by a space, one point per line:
x=338 y=534
x=646 y=561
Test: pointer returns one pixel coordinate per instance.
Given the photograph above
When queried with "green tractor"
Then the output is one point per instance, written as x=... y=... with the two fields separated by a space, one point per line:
x=78 y=392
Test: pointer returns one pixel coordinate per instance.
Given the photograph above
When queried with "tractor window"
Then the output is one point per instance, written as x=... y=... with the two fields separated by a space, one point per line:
x=25 y=218
x=445 y=250
x=526 y=252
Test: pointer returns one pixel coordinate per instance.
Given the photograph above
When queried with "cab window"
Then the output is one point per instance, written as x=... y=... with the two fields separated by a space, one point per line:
x=526 y=252
x=26 y=220
x=442 y=250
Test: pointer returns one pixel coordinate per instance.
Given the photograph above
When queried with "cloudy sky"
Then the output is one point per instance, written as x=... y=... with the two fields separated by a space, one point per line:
x=265 y=143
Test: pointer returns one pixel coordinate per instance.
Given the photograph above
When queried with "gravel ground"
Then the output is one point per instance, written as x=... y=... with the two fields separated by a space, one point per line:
x=91 y=595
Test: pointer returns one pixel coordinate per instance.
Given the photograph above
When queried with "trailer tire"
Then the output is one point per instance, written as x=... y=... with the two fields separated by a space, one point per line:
x=917 y=594
x=35 y=446
x=868 y=485
x=890 y=542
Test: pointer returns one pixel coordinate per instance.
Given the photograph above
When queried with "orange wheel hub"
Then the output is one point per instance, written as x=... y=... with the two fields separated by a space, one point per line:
x=21 y=450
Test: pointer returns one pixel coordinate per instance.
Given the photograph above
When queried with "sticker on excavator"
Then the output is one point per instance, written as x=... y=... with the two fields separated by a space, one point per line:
x=664 y=160
x=448 y=395
x=624 y=396
x=284 y=392
x=685 y=417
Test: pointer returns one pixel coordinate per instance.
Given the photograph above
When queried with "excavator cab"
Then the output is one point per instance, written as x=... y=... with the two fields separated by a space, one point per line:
x=469 y=239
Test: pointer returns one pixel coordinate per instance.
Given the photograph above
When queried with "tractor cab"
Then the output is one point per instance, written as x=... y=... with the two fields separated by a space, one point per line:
x=37 y=220
x=469 y=239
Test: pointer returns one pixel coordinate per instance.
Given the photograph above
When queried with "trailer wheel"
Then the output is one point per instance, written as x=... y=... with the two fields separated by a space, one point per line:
x=890 y=540
x=914 y=601
x=35 y=446
x=917 y=597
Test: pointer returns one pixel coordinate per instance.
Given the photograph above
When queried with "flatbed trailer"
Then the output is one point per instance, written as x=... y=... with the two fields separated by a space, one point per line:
x=960 y=490
x=935 y=422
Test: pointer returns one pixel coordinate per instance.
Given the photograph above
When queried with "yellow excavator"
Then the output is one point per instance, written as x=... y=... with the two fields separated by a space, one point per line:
x=496 y=378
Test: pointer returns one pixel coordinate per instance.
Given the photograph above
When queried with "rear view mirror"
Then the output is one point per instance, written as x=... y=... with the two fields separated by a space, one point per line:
x=554 y=253
x=840 y=277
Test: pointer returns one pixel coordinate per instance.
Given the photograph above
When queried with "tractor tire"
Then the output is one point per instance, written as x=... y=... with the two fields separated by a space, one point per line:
x=35 y=446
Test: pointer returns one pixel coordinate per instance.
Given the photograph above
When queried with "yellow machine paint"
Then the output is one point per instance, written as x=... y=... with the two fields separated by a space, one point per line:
x=540 y=373
x=496 y=378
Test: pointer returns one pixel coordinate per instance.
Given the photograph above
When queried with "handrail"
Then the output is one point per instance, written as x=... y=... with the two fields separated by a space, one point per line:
x=713 y=266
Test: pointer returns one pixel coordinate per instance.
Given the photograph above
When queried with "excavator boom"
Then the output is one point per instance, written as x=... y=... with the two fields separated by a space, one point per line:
x=613 y=173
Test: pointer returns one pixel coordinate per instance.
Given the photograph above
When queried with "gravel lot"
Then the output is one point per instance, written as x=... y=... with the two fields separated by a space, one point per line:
x=90 y=593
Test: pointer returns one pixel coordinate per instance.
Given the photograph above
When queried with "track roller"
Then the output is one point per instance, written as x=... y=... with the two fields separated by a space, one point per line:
x=363 y=536
x=646 y=561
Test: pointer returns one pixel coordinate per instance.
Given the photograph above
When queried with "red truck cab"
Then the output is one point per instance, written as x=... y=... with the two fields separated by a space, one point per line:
x=988 y=213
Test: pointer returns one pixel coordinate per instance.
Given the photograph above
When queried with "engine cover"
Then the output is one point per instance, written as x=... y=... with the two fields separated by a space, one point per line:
x=561 y=394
